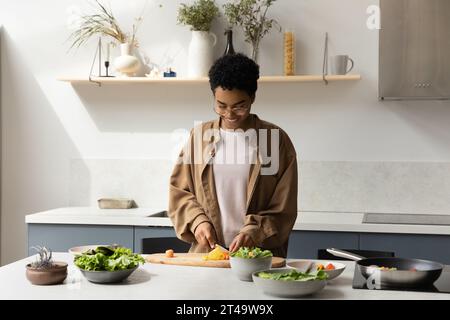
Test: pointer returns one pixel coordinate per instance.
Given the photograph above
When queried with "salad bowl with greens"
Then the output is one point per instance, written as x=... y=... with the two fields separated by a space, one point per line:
x=246 y=260
x=290 y=283
x=108 y=264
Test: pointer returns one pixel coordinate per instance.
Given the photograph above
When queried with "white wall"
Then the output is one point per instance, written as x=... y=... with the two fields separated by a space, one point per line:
x=1 y=28
x=46 y=123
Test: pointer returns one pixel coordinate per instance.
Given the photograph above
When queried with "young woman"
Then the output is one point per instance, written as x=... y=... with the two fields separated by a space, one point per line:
x=235 y=183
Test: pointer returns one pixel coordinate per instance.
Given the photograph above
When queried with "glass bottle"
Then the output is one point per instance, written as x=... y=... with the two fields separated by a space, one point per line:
x=229 y=49
x=289 y=53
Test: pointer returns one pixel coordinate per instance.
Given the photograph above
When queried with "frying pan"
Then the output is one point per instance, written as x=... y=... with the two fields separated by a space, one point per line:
x=425 y=274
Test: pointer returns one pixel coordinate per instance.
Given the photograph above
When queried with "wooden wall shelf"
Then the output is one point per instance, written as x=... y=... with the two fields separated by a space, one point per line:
x=263 y=79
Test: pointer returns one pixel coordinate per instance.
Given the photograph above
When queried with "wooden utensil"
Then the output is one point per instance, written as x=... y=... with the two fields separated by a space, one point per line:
x=196 y=260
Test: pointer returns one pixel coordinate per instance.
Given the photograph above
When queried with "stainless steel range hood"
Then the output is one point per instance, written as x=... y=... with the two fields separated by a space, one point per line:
x=414 y=57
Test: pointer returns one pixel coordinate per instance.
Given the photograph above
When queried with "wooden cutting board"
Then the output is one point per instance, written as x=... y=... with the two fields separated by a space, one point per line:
x=196 y=260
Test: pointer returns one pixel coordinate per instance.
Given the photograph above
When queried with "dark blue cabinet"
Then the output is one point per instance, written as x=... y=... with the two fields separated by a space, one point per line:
x=150 y=232
x=62 y=237
x=305 y=244
x=421 y=246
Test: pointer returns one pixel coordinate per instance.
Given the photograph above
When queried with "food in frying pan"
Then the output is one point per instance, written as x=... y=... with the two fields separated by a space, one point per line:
x=217 y=254
x=329 y=266
x=383 y=268
x=389 y=269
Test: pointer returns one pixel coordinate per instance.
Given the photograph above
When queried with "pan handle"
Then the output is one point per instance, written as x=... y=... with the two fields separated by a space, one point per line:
x=345 y=254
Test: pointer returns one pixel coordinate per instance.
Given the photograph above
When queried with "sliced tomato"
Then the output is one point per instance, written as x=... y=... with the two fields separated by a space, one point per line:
x=330 y=266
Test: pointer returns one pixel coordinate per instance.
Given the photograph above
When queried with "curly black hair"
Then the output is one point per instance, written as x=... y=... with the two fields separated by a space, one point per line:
x=235 y=71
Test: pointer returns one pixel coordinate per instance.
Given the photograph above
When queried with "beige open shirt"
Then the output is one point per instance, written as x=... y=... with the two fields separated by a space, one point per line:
x=271 y=199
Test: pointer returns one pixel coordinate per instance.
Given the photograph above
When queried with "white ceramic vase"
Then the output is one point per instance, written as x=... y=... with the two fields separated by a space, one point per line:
x=127 y=64
x=200 y=55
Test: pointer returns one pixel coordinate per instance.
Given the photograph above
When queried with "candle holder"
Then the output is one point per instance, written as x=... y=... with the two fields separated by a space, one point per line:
x=98 y=52
x=107 y=64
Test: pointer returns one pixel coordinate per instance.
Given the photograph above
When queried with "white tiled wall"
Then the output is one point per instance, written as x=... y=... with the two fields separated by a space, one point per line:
x=393 y=187
x=145 y=181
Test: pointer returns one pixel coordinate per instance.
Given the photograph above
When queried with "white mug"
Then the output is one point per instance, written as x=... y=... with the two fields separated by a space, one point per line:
x=339 y=64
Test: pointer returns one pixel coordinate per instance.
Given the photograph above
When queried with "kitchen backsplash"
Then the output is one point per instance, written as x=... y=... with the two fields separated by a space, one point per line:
x=146 y=181
x=391 y=187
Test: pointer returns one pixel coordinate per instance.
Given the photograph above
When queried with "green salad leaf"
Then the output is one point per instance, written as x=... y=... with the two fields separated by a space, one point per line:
x=108 y=259
x=251 y=253
x=294 y=275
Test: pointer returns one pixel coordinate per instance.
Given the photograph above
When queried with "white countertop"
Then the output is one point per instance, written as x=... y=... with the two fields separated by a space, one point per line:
x=353 y=222
x=156 y=281
x=95 y=216
x=306 y=221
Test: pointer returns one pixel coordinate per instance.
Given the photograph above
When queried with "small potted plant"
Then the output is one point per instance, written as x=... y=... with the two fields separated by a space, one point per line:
x=251 y=15
x=199 y=17
x=45 y=271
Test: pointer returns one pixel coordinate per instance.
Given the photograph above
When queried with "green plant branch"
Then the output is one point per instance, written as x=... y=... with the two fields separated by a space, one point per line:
x=251 y=15
x=198 y=15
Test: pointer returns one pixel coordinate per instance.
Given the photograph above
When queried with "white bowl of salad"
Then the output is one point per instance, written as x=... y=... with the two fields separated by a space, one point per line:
x=247 y=260
x=332 y=269
x=108 y=264
x=289 y=283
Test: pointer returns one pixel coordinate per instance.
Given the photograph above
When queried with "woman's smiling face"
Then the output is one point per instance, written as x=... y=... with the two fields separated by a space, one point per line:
x=233 y=107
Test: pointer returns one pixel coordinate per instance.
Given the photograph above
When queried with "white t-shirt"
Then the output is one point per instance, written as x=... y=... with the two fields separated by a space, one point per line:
x=234 y=154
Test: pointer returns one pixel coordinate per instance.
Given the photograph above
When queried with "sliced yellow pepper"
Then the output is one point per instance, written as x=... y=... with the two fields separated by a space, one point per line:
x=216 y=254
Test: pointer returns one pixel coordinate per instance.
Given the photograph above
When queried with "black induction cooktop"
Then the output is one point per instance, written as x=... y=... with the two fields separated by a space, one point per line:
x=442 y=284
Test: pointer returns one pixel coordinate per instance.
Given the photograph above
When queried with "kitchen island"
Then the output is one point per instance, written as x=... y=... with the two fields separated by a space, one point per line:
x=155 y=281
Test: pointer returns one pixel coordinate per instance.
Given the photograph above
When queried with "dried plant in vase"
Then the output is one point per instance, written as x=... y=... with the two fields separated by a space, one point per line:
x=104 y=23
x=45 y=271
x=251 y=15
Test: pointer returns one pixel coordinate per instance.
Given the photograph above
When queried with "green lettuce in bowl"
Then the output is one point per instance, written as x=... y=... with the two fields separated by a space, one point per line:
x=294 y=275
x=289 y=283
x=108 y=264
x=108 y=259
x=251 y=253
x=246 y=260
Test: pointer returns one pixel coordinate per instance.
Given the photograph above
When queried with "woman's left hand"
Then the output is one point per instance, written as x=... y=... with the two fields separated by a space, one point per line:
x=241 y=240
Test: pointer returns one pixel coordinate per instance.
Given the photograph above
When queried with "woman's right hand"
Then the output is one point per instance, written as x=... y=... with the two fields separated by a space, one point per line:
x=205 y=235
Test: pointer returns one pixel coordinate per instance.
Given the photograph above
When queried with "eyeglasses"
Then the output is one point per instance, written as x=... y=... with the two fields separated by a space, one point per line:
x=236 y=110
